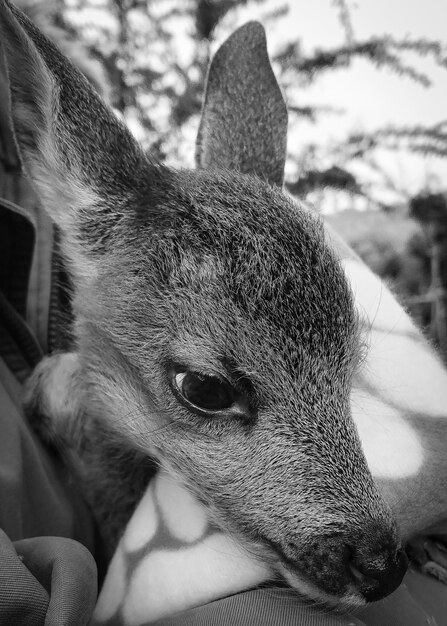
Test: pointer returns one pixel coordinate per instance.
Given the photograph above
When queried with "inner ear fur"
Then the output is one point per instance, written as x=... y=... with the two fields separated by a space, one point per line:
x=244 y=116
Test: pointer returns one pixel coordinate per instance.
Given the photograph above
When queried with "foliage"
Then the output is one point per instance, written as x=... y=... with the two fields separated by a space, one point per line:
x=49 y=16
x=155 y=55
x=384 y=52
x=426 y=140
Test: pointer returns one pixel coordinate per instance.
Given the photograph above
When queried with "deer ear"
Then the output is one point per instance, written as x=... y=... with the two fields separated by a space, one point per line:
x=83 y=162
x=244 y=116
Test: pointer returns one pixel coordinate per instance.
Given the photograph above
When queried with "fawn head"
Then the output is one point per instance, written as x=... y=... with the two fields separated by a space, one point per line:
x=215 y=325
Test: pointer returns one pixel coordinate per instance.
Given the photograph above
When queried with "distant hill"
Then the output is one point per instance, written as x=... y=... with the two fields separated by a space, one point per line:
x=359 y=227
x=392 y=244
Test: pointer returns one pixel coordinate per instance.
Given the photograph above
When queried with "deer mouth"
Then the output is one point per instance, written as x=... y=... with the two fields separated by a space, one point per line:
x=344 y=579
x=350 y=598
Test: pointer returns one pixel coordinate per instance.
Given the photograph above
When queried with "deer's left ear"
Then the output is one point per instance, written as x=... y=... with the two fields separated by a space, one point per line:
x=244 y=116
x=86 y=167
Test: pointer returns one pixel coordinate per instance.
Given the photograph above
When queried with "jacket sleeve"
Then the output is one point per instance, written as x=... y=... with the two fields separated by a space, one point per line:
x=46 y=577
x=46 y=581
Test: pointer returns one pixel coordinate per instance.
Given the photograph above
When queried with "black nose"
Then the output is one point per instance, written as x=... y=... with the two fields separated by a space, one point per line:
x=376 y=577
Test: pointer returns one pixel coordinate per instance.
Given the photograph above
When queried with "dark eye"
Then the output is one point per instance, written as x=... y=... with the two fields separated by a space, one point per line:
x=208 y=393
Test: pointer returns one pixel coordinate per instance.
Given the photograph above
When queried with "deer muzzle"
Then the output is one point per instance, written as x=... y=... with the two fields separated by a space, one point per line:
x=353 y=567
x=375 y=574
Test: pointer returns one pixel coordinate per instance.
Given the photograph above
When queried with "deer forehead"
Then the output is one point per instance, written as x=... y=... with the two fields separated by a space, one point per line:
x=269 y=266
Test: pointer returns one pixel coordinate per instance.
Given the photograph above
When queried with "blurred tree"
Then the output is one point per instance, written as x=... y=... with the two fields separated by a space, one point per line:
x=390 y=243
x=156 y=52
x=431 y=211
x=409 y=251
x=49 y=15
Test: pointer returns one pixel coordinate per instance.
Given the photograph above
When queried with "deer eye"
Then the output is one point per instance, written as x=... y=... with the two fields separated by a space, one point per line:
x=208 y=393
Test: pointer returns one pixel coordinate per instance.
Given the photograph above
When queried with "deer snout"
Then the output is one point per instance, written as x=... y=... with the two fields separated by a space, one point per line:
x=353 y=566
x=375 y=565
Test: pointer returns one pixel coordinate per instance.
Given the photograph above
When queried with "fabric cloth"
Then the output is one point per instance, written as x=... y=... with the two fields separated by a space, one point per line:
x=46 y=581
x=420 y=601
x=34 y=495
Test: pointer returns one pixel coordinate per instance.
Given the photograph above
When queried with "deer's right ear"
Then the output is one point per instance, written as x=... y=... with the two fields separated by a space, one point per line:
x=83 y=162
x=244 y=116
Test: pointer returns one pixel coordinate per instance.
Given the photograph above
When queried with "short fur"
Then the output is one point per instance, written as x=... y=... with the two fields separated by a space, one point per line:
x=220 y=272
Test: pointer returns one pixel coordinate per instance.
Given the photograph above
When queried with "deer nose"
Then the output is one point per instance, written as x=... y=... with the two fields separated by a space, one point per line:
x=376 y=576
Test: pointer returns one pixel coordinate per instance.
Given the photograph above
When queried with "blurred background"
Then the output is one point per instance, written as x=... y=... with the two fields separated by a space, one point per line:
x=366 y=87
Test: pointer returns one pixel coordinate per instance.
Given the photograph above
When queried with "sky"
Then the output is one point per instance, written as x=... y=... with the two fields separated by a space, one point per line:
x=370 y=97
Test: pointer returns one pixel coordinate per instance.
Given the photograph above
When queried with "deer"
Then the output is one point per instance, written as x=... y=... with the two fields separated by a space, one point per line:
x=228 y=349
